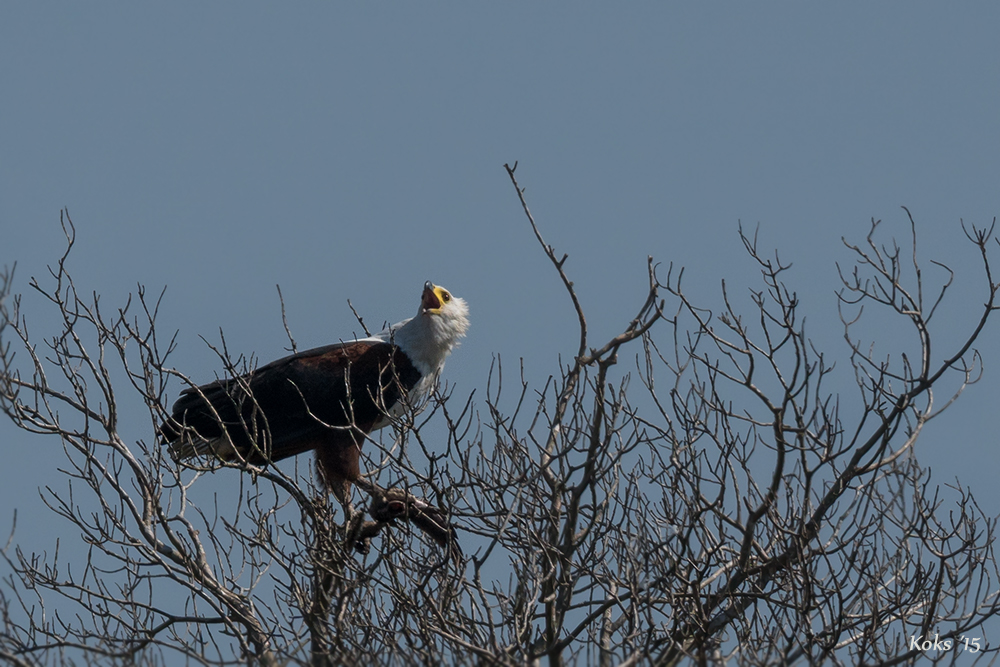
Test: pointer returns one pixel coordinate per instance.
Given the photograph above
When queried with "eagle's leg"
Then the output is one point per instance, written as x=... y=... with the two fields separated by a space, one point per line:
x=386 y=506
x=339 y=466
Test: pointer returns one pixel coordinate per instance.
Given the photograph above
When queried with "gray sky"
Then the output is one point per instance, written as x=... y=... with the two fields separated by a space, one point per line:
x=357 y=150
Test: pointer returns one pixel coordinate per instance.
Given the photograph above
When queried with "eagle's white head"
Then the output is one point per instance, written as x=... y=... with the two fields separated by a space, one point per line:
x=429 y=338
x=446 y=315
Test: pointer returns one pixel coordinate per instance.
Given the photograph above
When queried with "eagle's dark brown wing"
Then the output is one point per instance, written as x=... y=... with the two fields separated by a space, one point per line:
x=314 y=400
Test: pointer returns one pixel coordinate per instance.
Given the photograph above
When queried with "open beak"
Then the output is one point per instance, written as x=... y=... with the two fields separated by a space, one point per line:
x=429 y=300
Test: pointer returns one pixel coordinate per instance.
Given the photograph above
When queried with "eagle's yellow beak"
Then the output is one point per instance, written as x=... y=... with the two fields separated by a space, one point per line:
x=434 y=297
x=430 y=299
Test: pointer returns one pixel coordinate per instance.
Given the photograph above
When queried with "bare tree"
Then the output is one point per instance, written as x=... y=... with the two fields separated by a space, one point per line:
x=716 y=503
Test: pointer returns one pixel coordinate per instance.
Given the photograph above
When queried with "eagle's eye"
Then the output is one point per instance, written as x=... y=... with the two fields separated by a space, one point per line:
x=446 y=297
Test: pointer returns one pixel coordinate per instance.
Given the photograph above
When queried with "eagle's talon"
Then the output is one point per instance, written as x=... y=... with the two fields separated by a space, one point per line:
x=363 y=546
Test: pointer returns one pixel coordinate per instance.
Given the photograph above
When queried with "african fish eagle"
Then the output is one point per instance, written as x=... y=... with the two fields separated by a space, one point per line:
x=327 y=399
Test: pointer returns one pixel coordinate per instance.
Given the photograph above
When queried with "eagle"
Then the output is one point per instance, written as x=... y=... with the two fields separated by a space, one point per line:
x=328 y=400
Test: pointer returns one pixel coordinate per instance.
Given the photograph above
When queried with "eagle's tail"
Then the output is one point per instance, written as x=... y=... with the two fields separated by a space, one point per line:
x=193 y=446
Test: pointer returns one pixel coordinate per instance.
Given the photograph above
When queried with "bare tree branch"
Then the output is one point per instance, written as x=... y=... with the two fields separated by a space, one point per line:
x=721 y=499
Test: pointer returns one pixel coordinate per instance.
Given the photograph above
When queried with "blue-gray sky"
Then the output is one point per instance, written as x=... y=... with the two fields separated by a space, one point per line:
x=357 y=150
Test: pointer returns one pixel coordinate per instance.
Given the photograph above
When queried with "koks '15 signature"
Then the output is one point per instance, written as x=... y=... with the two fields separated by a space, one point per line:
x=926 y=644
